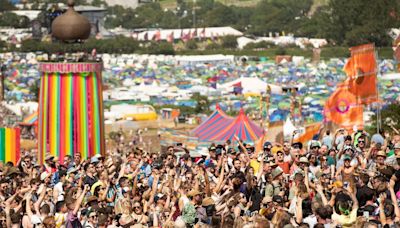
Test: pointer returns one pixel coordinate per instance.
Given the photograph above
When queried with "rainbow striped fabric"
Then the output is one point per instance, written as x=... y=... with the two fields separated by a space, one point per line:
x=10 y=145
x=221 y=127
x=31 y=119
x=71 y=114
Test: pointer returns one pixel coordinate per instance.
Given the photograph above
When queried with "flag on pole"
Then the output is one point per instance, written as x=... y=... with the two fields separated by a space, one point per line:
x=309 y=133
x=186 y=36
x=237 y=88
x=361 y=69
x=342 y=108
x=170 y=37
x=212 y=36
x=157 y=35
x=194 y=33
x=203 y=33
x=10 y=145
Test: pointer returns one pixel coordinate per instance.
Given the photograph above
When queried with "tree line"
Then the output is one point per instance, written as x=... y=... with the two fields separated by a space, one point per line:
x=342 y=22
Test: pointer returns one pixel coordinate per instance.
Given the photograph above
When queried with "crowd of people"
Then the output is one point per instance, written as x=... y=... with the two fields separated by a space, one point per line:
x=338 y=180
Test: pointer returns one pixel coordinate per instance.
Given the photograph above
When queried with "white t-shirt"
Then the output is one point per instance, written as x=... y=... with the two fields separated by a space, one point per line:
x=60 y=219
x=310 y=220
x=36 y=220
x=60 y=190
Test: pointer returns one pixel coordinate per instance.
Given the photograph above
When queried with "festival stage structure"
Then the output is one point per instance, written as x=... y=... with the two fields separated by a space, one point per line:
x=71 y=104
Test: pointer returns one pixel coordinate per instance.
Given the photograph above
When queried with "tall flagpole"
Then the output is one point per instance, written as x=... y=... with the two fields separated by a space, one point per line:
x=378 y=109
x=267 y=103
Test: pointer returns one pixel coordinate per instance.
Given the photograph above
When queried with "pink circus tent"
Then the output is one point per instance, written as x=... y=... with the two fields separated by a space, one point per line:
x=215 y=123
x=220 y=127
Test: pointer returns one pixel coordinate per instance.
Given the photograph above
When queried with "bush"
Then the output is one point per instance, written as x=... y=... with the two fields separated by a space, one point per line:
x=213 y=46
x=280 y=51
x=258 y=45
x=163 y=48
x=191 y=45
x=118 y=45
x=229 y=42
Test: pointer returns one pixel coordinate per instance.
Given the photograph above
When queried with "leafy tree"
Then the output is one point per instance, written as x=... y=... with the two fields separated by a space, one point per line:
x=2 y=44
x=229 y=42
x=191 y=45
x=360 y=21
x=5 y=5
x=220 y=15
x=98 y=2
x=202 y=103
x=278 y=15
x=13 y=20
x=390 y=117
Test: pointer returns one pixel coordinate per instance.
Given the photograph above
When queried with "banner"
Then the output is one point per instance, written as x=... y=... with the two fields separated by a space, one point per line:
x=10 y=145
x=309 y=133
x=361 y=70
x=71 y=113
x=342 y=108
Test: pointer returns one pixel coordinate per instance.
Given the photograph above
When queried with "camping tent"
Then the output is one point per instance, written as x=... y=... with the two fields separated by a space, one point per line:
x=251 y=85
x=215 y=123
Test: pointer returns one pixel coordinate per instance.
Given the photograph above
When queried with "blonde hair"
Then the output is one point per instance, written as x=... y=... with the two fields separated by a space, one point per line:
x=123 y=206
x=280 y=219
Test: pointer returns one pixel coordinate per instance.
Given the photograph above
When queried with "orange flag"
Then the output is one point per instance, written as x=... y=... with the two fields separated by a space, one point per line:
x=309 y=133
x=260 y=144
x=342 y=108
x=361 y=71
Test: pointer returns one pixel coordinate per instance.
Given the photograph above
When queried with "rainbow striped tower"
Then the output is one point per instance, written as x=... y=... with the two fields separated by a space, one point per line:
x=70 y=110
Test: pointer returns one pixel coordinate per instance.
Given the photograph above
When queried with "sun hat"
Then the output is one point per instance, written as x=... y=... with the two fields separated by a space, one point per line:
x=44 y=175
x=194 y=193
x=49 y=157
x=276 y=172
x=381 y=153
x=346 y=157
x=304 y=160
x=207 y=202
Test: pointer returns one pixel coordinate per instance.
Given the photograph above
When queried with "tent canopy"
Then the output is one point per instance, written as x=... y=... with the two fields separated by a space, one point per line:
x=241 y=127
x=252 y=85
x=220 y=127
x=215 y=123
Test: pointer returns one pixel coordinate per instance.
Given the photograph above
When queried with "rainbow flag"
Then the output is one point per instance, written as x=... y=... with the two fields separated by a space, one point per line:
x=30 y=120
x=10 y=145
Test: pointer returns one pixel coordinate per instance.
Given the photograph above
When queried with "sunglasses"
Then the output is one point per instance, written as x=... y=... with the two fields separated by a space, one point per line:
x=93 y=216
x=361 y=141
x=137 y=207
